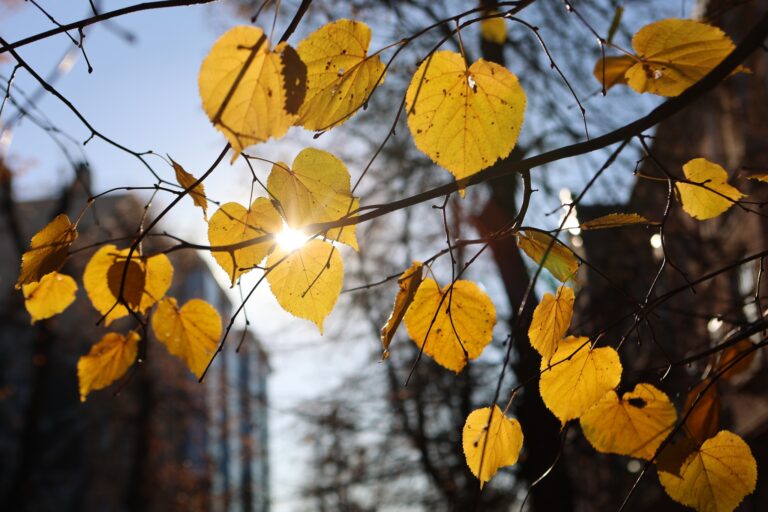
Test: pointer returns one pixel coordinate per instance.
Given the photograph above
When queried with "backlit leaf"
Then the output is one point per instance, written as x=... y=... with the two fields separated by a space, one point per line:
x=47 y=250
x=716 y=477
x=146 y=281
x=186 y=180
x=340 y=74
x=705 y=203
x=408 y=283
x=107 y=361
x=634 y=425
x=495 y=446
x=49 y=296
x=316 y=189
x=675 y=54
x=251 y=93
x=704 y=420
x=731 y=353
x=494 y=30
x=611 y=70
x=307 y=282
x=191 y=332
x=458 y=334
x=464 y=119
x=551 y=320
x=569 y=388
x=560 y=261
x=233 y=224
x=615 y=220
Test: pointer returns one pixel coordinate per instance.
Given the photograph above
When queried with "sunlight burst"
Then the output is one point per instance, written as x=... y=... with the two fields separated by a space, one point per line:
x=290 y=239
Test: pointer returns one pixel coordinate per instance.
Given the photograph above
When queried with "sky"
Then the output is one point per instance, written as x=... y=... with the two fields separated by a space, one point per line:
x=144 y=95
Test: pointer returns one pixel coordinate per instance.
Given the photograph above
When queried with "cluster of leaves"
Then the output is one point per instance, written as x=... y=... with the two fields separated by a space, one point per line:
x=465 y=117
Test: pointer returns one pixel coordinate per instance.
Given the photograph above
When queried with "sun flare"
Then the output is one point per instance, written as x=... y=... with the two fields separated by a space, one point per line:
x=290 y=239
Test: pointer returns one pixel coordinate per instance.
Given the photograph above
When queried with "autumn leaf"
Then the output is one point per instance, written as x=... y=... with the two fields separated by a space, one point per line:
x=579 y=377
x=307 y=282
x=551 y=320
x=47 y=250
x=146 y=281
x=233 y=224
x=107 y=361
x=494 y=446
x=616 y=220
x=494 y=30
x=464 y=118
x=340 y=74
x=451 y=336
x=731 y=353
x=716 y=477
x=560 y=261
x=705 y=203
x=191 y=332
x=704 y=420
x=50 y=296
x=251 y=93
x=674 y=54
x=408 y=284
x=186 y=180
x=759 y=177
x=315 y=189
x=611 y=71
x=634 y=425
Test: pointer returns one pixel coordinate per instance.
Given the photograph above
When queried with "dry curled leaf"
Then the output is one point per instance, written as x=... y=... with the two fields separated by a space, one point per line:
x=408 y=284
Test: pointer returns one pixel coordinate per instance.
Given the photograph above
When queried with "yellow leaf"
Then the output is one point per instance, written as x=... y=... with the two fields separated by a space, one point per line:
x=464 y=119
x=551 y=320
x=307 y=281
x=704 y=420
x=147 y=280
x=457 y=334
x=759 y=177
x=316 y=189
x=705 y=203
x=186 y=180
x=634 y=426
x=731 y=353
x=716 y=477
x=408 y=282
x=47 y=250
x=249 y=92
x=578 y=378
x=107 y=361
x=495 y=446
x=232 y=224
x=49 y=296
x=340 y=74
x=615 y=220
x=494 y=30
x=675 y=54
x=560 y=261
x=611 y=70
x=191 y=332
